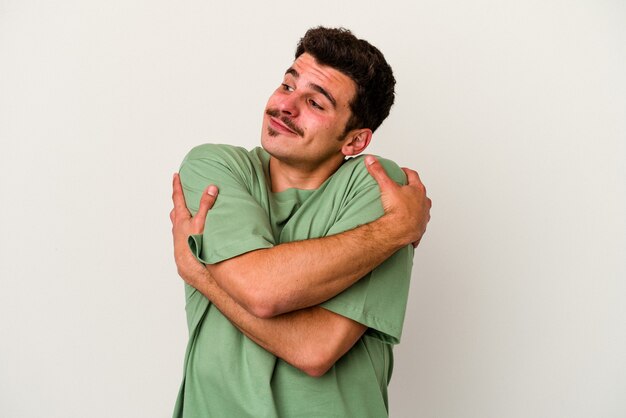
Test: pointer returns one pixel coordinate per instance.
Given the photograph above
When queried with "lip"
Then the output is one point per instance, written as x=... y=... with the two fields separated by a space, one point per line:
x=277 y=125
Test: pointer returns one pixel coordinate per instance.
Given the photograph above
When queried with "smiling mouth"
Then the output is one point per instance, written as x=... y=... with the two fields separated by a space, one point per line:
x=277 y=126
x=282 y=124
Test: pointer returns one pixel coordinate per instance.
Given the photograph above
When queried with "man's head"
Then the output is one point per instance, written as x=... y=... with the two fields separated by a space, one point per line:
x=363 y=63
x=334 y=95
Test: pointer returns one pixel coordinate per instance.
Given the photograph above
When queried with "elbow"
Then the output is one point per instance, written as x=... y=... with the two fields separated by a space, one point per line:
x=316 y=370
x=318 y=363
x=248 y=292
x=324 y=350
x=261 y=304
x=261 y=311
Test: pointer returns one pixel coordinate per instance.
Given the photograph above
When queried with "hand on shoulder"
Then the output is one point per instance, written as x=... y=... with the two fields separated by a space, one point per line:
x=406 y=206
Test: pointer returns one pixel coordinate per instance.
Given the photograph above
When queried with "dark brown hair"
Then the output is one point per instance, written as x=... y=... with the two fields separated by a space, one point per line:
x=362 y=62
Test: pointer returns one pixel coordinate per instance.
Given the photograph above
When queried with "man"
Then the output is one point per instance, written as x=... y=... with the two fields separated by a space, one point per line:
x=306 y=255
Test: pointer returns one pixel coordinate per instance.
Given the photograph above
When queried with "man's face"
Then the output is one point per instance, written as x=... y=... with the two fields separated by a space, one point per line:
x=305 y=117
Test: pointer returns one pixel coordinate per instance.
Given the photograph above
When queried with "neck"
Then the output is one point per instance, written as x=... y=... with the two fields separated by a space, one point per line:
x=284 y=176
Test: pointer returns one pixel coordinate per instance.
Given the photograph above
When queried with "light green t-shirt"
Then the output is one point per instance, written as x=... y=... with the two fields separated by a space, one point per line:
x=228 y=375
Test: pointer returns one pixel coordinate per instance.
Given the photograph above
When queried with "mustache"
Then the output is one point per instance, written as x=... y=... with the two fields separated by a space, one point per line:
x=284 y=119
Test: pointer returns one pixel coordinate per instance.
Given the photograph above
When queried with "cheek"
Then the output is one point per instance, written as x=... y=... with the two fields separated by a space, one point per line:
x=326 y=127
x=334 y=128
x=329 y=128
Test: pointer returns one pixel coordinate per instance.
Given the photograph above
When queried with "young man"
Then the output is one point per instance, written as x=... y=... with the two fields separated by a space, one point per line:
x=306 y=255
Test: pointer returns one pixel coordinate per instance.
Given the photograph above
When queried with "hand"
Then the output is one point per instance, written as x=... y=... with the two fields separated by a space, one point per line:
x=184 y=225
x=408 y=206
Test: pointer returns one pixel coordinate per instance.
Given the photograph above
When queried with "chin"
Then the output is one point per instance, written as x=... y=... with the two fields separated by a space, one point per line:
x=269 y=144
x=276 y=147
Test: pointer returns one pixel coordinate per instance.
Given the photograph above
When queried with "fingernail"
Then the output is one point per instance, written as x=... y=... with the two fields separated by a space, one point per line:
x=369 y=160
x=212 y=190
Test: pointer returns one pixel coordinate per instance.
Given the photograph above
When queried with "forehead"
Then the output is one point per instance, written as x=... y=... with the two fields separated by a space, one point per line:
x=335 y=82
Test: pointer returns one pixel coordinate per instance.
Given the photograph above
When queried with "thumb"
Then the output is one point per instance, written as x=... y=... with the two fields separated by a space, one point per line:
x=207 y=200
x=376 y=170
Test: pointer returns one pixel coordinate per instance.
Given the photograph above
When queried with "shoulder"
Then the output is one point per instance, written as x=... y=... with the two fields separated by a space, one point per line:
x=353 y=170
x=217 y=152
x=356 y=193
x=225 y=165
x=227 y=158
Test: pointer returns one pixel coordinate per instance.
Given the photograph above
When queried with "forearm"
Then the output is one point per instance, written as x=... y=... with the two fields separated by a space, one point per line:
x=311 y=339
x=301 y=274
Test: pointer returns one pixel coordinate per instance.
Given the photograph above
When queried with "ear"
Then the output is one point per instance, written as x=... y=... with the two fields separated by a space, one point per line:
x=356 y=142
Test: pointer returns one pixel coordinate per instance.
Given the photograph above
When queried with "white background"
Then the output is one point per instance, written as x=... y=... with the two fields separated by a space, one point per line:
x=514 y=113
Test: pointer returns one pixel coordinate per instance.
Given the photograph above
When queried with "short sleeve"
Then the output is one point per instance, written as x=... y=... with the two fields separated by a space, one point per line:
x=379 y=299
x=239 y=221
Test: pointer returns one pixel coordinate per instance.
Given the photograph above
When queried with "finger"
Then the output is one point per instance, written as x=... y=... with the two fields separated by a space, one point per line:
x=177 y=193
x=412 y=177
x=206 y=203
x=377 y=171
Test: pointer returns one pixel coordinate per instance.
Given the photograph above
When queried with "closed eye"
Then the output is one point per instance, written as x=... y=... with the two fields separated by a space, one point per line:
x=315 y=105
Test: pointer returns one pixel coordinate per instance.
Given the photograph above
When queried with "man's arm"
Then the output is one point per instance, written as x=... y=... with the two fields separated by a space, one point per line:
x=311 y=339
x=287 y=277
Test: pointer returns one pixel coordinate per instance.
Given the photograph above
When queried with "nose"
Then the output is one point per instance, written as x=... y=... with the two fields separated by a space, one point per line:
x=289 y=105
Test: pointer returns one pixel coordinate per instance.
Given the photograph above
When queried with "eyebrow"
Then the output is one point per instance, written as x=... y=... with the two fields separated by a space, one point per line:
x=314 y=86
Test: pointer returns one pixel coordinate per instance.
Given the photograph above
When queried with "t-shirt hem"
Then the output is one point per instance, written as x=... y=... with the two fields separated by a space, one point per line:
x=388 y=333
x=227 y=252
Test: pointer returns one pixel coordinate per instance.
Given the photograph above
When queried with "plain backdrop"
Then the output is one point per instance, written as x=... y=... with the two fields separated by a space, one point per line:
x=514 y=114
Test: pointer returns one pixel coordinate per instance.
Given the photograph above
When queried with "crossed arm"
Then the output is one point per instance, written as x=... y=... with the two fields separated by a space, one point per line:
x=311 y=339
